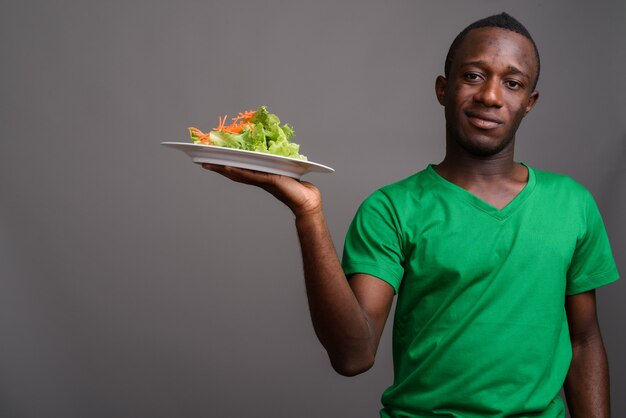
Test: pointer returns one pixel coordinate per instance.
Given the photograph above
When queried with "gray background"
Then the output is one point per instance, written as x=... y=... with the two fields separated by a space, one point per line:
x=135 y=284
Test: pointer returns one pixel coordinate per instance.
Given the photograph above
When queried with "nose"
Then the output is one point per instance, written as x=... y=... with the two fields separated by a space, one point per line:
x=489 y=93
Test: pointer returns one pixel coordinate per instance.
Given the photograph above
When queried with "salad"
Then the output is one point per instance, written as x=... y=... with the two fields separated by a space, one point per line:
x=253 y=130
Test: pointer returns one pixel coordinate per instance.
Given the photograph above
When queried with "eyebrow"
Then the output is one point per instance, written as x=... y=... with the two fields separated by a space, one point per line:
x=481 y=63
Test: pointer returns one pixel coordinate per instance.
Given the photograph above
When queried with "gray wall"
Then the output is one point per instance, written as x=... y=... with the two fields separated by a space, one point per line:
x=135 y=284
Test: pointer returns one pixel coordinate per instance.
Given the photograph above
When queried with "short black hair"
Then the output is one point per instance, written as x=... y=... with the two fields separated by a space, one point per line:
x=502 y=21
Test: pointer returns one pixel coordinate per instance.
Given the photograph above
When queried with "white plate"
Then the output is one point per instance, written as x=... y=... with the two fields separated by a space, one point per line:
x=251 y=160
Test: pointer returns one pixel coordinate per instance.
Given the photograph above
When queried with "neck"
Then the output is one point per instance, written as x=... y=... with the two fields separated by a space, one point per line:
x=462 y=167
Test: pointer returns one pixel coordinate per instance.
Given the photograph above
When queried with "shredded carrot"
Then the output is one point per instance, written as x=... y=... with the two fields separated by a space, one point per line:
x=221 y=125
x=196 y=131
x=202 y=137
x=238 y=124
x=244 y=116
x=236 y=128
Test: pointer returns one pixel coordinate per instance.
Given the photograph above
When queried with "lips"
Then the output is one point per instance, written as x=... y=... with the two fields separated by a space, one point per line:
x=483 y=120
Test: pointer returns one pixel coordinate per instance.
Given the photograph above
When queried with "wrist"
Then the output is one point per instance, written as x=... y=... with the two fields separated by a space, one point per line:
x=309 y=216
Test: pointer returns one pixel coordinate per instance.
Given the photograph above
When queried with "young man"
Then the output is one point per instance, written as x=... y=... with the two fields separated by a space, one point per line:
x=494 y=263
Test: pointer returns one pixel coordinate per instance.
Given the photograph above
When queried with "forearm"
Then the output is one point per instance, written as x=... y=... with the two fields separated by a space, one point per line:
x=587 y=383
x=338 y=319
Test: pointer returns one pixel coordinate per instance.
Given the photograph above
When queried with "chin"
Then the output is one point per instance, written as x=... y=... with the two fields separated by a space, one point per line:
x=482 y=148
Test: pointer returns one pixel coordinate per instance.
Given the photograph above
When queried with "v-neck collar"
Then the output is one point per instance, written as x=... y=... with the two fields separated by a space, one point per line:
x=477 y=202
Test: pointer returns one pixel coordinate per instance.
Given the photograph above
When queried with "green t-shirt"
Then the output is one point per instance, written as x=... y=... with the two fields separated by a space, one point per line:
x=480 y=327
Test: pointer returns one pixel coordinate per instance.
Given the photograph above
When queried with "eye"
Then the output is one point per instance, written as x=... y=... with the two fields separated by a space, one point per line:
x=513 y=85
x=471 y=77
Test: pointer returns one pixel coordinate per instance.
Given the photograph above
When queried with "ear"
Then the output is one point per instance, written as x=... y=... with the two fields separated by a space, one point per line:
x=440 y=89
x=534 y=96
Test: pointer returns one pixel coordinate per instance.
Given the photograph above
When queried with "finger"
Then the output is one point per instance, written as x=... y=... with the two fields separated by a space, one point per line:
x=225 y=168
x=211 y=167
x=239 y=174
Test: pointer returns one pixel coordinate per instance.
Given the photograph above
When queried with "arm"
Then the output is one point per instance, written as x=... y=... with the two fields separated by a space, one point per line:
x=587 y=382
x=348 y=315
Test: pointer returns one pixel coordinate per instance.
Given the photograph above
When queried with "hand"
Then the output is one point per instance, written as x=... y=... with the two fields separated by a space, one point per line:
x=302 y=197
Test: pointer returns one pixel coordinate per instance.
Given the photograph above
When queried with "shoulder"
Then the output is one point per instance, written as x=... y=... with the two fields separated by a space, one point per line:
x=558 y=184
x=550 y=178
x=415 y=185
x=398 y=198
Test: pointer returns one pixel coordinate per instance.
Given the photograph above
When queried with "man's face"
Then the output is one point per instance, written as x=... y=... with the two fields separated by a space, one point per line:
x=489 y=90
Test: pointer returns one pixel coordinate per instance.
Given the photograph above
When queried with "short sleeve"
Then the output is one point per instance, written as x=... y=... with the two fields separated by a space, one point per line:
x=592 y=265
x=373 y=243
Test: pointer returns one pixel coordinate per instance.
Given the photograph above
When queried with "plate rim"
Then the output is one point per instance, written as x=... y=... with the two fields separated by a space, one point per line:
x=255 y=153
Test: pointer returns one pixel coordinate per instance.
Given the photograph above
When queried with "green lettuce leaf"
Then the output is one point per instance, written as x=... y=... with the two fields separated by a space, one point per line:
x=226 y=139
x=264 y=134
x=254 y=138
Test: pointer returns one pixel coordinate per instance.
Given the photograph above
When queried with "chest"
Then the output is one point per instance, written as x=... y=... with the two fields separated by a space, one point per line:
x=498 y=197
x=459 y=245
